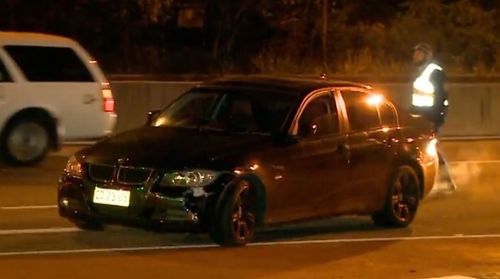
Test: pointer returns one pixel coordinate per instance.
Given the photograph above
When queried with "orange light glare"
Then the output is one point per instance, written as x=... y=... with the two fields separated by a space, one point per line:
x=375 y=100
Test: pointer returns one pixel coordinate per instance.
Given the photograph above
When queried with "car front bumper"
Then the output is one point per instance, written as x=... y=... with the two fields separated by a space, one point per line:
x=181 y=211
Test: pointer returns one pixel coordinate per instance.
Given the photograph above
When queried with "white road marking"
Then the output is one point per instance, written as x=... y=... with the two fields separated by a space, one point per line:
x=453 y=277
x=25 y=207
x=377 y=239
x=276 y=243
x=39 y=231
x=101 y=250
x=474 y=162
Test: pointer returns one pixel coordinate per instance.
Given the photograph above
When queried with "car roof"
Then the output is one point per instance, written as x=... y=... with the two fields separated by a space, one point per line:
x=30 y=38
x=290 y=85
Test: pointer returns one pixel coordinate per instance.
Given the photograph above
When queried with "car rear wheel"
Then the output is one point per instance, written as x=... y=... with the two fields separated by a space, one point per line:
x=25 y=142
x=402 y=199
x=234 y=223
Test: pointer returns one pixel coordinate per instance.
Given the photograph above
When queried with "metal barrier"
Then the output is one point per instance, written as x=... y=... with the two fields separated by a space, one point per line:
x=471 y=112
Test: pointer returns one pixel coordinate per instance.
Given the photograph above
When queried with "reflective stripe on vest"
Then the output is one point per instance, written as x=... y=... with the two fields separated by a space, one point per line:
x=423 y=89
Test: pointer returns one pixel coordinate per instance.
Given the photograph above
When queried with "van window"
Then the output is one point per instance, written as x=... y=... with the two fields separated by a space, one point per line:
x=4 y=75
x=49 y=64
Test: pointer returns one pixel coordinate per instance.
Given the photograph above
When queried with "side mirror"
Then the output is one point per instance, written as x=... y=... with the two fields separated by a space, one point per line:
x=151 y=116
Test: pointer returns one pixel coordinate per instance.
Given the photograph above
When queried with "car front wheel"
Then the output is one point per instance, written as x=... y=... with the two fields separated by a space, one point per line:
x=234 y=223
x=402 y=199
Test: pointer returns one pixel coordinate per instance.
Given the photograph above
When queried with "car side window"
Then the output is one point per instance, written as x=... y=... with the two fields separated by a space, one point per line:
x=319 y=117
x=49 y=64
x=362 y=114
x=4 y=75
x=239 y=114
x=387 y=115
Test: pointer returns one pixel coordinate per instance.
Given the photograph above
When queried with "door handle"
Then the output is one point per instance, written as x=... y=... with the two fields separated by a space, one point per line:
x=343 y=149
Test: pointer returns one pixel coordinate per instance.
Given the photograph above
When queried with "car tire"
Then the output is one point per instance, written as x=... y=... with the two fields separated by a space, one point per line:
x=402 y=199
x=24 y=142
x=235 y=219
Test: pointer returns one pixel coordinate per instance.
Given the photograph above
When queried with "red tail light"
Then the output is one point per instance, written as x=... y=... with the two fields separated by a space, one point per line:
x=108 y=103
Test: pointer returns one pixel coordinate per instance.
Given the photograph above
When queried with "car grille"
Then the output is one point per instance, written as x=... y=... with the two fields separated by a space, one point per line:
x=133 y=175
x=119 y=174
x=101 y=173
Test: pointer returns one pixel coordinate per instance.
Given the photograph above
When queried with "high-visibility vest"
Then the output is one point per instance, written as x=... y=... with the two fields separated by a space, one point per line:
x=423 y=89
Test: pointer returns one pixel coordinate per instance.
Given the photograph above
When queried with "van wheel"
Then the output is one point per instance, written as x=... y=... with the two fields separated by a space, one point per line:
x=235 y=221
x=25 y=142
x=402 y=199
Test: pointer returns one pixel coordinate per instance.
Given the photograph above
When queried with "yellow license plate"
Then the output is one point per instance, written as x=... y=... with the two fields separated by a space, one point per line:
x=111 y=197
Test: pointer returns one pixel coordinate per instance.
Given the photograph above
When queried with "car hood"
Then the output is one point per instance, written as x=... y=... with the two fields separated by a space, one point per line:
x=173 y=148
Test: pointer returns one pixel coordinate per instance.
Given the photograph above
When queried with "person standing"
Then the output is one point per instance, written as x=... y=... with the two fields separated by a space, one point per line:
x=430 y=100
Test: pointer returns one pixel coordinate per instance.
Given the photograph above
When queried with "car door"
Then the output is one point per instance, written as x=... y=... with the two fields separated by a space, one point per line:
x=370 y=150
x=8 y=89
x=317 y=183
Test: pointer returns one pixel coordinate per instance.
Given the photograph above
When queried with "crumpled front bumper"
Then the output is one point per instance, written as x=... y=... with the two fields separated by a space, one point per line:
x=75 y=201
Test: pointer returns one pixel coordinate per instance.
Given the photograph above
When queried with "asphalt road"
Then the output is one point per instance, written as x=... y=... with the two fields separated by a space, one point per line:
x=455 y=234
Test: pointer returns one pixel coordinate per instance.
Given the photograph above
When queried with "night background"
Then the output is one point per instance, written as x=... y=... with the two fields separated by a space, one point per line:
x=255 y=36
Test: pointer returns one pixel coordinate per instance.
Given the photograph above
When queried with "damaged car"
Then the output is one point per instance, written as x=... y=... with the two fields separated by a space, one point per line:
x=234 y=154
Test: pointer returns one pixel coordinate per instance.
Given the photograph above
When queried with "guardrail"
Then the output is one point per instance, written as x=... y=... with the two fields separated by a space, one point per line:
x=471 y=112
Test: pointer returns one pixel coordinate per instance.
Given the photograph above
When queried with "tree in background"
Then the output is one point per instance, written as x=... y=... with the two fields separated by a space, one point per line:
x=284 y=36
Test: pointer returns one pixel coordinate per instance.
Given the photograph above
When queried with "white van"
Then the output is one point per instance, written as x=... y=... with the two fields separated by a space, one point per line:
x=51 y=90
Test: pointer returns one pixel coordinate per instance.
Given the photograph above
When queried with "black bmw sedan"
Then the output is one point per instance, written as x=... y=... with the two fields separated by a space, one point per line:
x=233 y=154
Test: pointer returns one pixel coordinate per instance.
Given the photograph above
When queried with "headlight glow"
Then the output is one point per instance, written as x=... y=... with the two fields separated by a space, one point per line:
x=431 y=148
x=191 y=178
x=375 y=99
x=73 y=167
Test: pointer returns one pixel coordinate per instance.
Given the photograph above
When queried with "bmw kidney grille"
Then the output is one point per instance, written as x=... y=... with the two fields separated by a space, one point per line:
x=119 y=174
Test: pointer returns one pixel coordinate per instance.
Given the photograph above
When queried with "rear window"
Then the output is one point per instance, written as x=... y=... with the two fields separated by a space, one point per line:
x=361 y=114
x=49 y=64
x=387 y=115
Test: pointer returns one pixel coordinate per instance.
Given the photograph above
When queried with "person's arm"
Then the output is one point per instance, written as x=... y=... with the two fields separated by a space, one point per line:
x=437 y=79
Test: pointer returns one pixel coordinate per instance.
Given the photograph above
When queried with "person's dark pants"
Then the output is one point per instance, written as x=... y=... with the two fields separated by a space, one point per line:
x=444 y=181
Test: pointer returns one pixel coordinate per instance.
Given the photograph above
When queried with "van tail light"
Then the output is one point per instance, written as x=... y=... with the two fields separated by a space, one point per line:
x=108 y=103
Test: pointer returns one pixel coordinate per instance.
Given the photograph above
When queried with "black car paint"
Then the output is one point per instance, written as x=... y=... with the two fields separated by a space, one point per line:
x=295 y=174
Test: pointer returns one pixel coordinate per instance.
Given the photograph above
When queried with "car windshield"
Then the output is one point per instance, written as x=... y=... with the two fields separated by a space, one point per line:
x=241 y=112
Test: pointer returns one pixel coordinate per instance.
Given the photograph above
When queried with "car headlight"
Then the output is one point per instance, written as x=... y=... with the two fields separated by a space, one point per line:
x=74 y=167
x=431 y=148
x=191 y=178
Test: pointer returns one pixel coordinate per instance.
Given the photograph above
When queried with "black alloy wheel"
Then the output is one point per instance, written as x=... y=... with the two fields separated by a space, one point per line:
x=402 y=200
x=235 y=222
x=243 y=217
